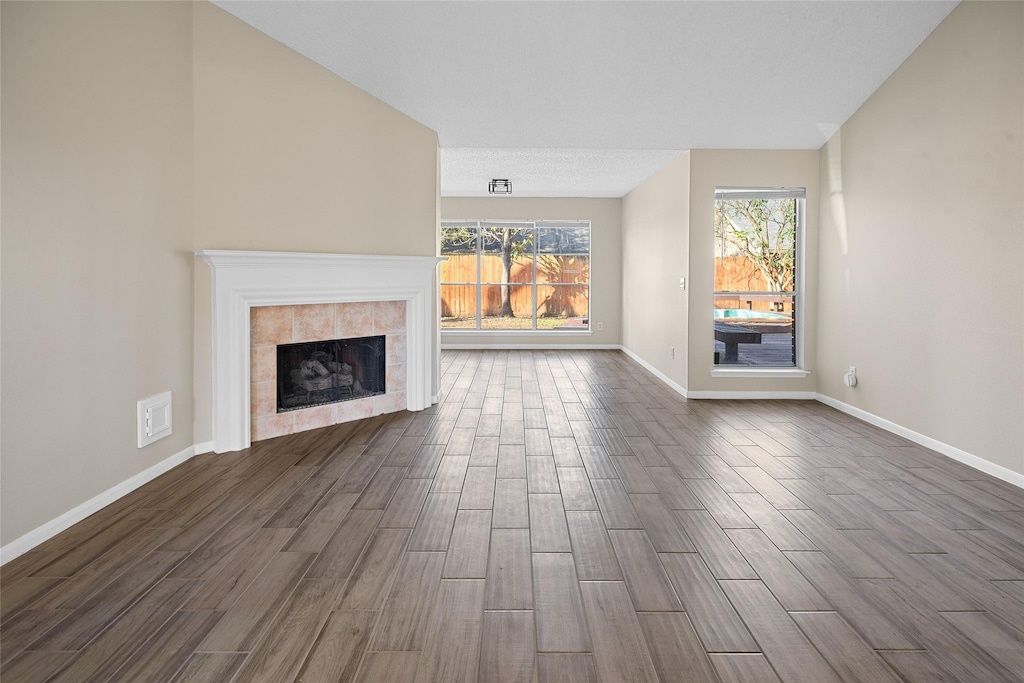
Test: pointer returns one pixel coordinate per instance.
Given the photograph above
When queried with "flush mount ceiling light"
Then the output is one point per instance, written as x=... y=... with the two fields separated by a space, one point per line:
x=500 y=186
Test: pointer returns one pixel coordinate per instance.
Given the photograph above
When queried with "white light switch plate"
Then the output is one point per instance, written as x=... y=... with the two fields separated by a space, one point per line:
x=154 y=418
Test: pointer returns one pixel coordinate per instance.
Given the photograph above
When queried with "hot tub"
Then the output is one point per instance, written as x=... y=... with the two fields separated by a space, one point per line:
x=744 y=314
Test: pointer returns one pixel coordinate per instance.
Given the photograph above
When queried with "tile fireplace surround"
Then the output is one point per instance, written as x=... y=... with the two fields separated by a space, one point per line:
x=244 y=280
x=274 y=325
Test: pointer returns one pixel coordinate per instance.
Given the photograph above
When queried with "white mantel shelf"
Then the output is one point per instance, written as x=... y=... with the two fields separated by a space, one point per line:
x=243 y=279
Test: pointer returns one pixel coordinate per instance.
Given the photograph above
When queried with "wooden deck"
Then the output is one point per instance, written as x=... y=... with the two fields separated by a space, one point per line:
x=775 y=350
x=562 y=516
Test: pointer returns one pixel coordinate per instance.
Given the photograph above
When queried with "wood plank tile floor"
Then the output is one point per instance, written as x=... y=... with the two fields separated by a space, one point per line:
x=560 y=516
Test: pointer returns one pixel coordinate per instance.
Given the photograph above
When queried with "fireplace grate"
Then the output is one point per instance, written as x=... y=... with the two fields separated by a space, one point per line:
x=322 y=372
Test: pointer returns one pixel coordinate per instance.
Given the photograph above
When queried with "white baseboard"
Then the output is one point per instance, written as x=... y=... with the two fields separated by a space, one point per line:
x=50 y=529
x=530 y=347
x=22 y=545
x=733 y=395
x=203 y=447
x=755 y=395
x=678 y=388
x=998 y=471
x=980 y=464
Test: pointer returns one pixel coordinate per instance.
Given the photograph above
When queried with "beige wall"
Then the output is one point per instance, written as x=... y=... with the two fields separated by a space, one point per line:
x=745 y=168
x=134 y=133
x=97 y=232
x=290 y=157
x=606 y=267
x=668 y=233
x=655 y=254
x=922 y=241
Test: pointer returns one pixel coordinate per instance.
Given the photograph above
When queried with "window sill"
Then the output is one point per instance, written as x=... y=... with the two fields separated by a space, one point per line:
x=515 y=333
x=750 y=371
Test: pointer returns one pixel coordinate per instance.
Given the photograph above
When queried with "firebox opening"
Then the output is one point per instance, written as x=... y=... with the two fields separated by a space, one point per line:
x=317 y=373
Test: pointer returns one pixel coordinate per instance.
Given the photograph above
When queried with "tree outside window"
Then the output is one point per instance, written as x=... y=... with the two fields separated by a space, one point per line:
x=515 y=275
x=756 y=239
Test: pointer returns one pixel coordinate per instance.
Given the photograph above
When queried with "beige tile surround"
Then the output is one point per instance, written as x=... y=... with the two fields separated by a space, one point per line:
x=273 y=325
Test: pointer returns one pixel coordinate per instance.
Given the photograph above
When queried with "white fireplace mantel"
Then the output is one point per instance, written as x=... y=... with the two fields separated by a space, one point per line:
x=243 y=279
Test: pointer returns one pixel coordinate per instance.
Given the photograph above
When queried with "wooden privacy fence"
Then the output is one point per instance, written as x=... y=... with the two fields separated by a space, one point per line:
x=740 y=274
x=562 y=289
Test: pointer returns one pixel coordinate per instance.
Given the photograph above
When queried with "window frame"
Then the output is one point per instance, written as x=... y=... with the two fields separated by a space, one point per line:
x=522 y=224
x=798 y=370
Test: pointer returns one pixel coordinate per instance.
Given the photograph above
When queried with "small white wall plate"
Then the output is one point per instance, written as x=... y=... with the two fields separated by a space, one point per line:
x=154 y=418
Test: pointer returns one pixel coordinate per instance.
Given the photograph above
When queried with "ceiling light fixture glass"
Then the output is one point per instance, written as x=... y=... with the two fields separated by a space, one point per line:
x=500 y=186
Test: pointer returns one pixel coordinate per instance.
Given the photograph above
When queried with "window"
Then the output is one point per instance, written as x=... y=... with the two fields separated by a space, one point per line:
x=757 y=234
x=515 y=275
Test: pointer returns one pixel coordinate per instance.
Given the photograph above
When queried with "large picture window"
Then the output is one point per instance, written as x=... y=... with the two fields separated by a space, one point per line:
x=757 y=236
x=515 y=275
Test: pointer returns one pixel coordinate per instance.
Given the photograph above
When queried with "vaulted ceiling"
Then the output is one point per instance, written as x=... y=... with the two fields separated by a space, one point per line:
x=584 y=98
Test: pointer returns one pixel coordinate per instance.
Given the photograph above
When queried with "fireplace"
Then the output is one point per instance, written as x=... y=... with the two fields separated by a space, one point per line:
x=315 y=365
x=259 y=300
x=318 y=373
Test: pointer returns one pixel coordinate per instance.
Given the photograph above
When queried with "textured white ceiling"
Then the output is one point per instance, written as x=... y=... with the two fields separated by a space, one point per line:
x=539 y=91
x=465 y=171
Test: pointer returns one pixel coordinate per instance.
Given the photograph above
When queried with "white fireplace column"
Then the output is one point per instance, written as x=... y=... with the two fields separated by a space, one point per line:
x=243 y=279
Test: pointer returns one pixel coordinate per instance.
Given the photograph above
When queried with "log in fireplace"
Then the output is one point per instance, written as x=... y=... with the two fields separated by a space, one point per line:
x=321 y=372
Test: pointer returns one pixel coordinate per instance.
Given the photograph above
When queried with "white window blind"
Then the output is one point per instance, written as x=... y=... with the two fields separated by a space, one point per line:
x=760 y=193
